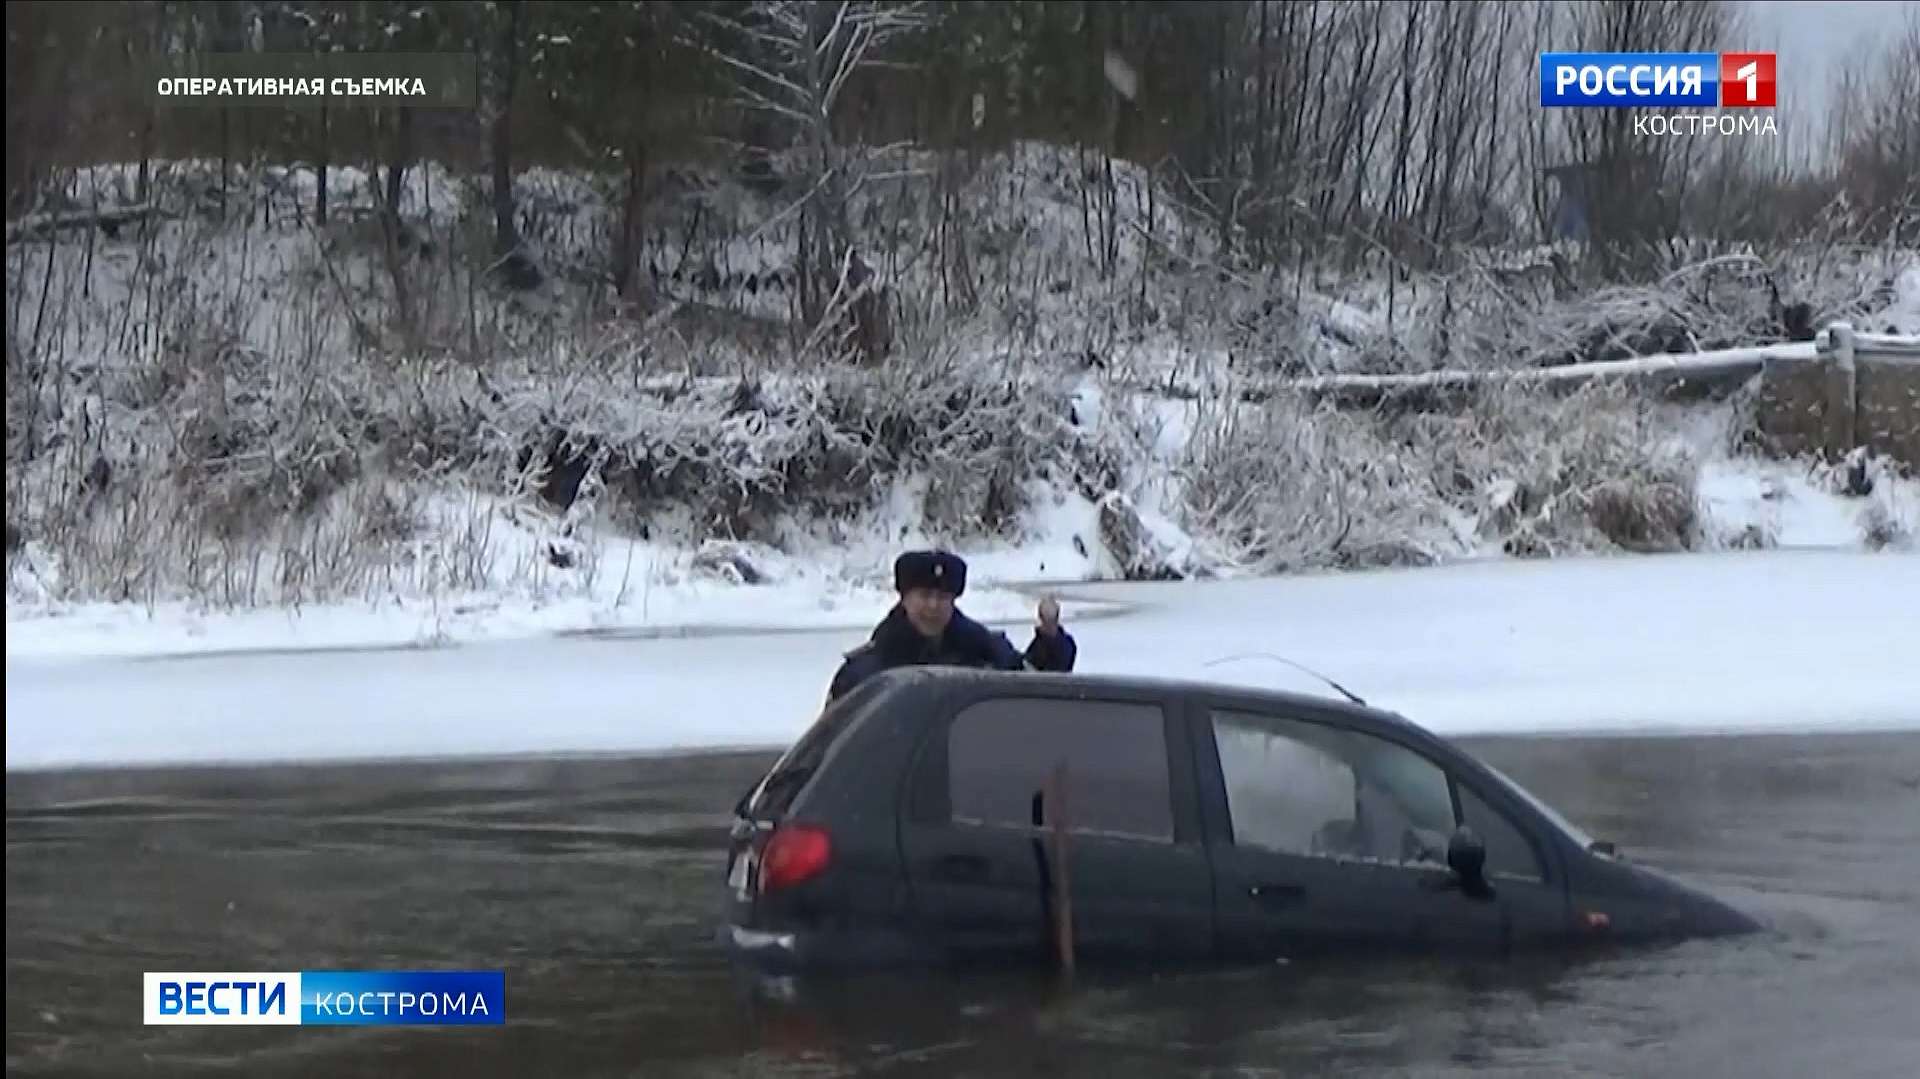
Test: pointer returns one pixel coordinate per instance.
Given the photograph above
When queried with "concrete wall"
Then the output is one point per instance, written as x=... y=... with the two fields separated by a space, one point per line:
x=1826 y=397
x=1857 y=391
x=1791 y=409
x=1887 y=409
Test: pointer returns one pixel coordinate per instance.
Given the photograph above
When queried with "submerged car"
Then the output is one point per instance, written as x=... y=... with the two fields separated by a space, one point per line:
x=943 y=816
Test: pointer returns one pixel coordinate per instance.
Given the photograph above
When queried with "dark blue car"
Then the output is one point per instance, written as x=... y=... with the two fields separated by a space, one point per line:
x=940 y=816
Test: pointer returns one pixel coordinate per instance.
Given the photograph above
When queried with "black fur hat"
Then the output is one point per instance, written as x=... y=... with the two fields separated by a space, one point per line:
x=930 y=569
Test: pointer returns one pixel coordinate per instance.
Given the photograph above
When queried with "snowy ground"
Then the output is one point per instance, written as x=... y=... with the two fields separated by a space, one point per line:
x=1769 y=640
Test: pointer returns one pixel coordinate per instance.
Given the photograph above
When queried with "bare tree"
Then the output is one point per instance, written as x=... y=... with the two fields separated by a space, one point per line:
x=1632 y=183
x=793 y=61
x=1879 y=158
x=510 y=32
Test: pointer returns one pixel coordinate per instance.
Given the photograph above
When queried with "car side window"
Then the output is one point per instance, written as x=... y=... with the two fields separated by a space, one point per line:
x=1508 y=852
x=1002 y=753
x=1305 y=788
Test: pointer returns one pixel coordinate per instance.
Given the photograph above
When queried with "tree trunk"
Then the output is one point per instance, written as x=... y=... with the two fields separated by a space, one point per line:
x=326 y=158
x=143 y=188
x=626 y=253
x=394 y=240
x=520 y=270
x=226 y=155
x=398 y=165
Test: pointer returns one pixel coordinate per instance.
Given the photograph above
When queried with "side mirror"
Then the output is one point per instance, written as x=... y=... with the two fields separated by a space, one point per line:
x=1467 y=857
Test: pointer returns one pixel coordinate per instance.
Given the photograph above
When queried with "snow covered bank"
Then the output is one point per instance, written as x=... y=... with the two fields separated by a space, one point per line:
x=218 y=446
x=252 y=411
x=105 y=630
x=525 y=574
x=614 y=586
x=1756 y=504
x=1758 y=641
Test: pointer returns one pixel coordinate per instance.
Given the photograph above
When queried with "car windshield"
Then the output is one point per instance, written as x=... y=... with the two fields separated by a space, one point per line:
x=1572 y=831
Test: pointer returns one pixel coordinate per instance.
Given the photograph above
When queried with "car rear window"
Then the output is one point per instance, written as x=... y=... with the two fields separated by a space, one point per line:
x=796 y=768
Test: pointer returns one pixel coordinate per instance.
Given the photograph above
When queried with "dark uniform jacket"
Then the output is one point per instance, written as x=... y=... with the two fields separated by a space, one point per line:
x=965 y=643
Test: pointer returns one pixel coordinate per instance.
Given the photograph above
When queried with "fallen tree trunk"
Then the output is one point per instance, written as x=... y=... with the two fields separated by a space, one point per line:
x=1693 y=375
x=1686 y=376
x=39 y=226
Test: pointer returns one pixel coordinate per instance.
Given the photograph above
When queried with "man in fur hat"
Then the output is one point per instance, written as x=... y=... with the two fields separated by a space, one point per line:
x=926 y=628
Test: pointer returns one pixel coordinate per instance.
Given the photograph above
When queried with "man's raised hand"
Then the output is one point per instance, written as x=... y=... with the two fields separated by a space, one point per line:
x=1049 y=616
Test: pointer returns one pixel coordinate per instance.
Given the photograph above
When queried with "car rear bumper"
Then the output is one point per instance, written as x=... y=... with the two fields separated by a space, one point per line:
x=792 y=951
x=761 y=945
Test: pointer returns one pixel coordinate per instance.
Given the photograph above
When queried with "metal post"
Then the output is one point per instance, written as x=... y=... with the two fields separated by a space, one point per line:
x=1842 y=402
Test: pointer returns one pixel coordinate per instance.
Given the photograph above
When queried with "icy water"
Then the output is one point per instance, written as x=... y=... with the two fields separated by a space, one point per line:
x=593 y=884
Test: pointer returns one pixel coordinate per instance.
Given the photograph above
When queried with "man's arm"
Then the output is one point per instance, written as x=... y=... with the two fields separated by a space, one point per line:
x=983 y=646
x=1049 y=651
x=1053 y=648
x=1052 y=652
x=859 y=665
x=1001 y=653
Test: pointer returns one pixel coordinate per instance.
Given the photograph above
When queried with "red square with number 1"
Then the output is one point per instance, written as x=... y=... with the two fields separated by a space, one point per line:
x=1746 y=80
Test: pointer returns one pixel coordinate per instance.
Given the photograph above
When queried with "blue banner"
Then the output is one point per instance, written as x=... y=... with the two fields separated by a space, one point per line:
x=403 y=997
x=1616 y=79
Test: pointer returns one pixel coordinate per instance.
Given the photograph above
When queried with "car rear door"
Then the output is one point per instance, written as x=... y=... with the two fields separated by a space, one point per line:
x=976 y=821
x=764 y=806
x=1327 y=839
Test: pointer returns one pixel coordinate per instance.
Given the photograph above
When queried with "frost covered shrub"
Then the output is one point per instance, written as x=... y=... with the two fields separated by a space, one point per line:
x=1886 y=529
x=1890 y=516
x=1289 y=486
x=1553 y=475
x=1527 y=309
x=247 y=474
x=1647 y=514
x=1294 y=486
x=740 y=457
x=153 y=541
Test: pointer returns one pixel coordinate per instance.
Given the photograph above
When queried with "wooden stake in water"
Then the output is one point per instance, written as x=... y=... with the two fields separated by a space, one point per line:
x=1057 y=854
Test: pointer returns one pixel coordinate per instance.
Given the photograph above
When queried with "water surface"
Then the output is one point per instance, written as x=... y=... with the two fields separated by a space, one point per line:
x=593 y=884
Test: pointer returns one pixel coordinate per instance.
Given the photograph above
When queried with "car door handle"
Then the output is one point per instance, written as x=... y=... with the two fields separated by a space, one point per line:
x=1268 y=894
x=966 y=867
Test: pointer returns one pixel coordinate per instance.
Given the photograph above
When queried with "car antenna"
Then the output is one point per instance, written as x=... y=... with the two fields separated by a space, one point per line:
x=1291 y=663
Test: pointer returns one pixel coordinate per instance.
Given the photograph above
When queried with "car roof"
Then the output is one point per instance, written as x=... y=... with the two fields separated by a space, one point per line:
x=1361 y=715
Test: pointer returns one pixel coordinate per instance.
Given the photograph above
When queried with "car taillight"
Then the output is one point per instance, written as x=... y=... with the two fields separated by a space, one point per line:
x=794 y=853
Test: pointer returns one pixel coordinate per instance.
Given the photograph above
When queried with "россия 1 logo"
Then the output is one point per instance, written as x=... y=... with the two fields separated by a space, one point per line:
x=1727 y=80
x=1706 y=80
x=325 y=998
